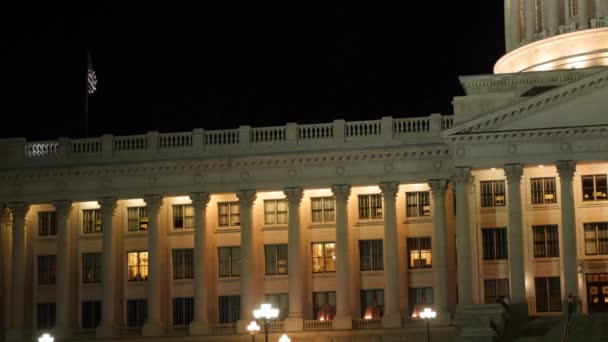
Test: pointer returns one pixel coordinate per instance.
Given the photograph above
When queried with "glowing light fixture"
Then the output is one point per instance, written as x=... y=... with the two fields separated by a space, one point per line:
x=266 y=313
x=46 y=338
x=428 y=314
x=493 y=169
x=284 y=338
x=541 y=165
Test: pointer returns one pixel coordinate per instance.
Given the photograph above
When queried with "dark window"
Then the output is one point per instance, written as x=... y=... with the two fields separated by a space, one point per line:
x=275 y=211
x=324 y=305
x=137 y=312
x=280 y=301
x=494 y=243
x=323 y=257
x=47 y=223
x=419 y=252
x=418 y=204
x=548 y=294
x=596 y=238
x=46 y=269
x=594 y=188
x=370 y=255
x=229 y=309
x=229 y=261
x=183 y=216
x=229 y=214
x=495 y=290
x=420 y=297
x=370 y=207
x=543 y=190
x=492 y=193
x=546 y=241
x=45 y=316
x=91 y=314
x=138 y=266
x=91 y=267
x=322 y=209
x=372 y=304
x=182 y=263
x=91 y=221
x=137 y=219
x=276 y=259
x=183 y=310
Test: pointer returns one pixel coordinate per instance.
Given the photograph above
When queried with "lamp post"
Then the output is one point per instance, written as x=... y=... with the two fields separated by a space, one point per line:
x=253 y=329
x=428 y=314
x=284 y=338
x=266 y=313
x=46 y=338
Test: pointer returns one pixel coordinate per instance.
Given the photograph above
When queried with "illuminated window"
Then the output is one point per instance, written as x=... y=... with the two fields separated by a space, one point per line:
x=182 y=263
x=324 y=305
x=494 y=243
x=372 y=304
x=370 y=207
x=47 y=223
x=183 y=216
x=492 y=193
x=229 y=309
x=275 y=211
x=229 y=261
x=495 y=290
x=322 y=209
x=546 y=241
x=420 y=297
x=137 y=312
x=370 y=255
x=91 y=267
x=419 y=252
x=573 y=6
x=138 y=266
x=90 y=314
x=91 y=221
x=229 y=214
x=596 y=238
x=183 y=311
x=418 y=204
x=543 y=190
x=276 y=259
x=548 y=294
x=280 y=301
x=538 y=13
x=323 y=257
x=46 y=269
x=595 y=188
x=137 y=219
x=45 y=313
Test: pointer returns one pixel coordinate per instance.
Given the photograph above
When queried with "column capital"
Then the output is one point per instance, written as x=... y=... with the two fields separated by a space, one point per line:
x=153 y=202
x=63 y=206
x=438 y=186
x=389 y=190
x=341 y=192
x=246 y=198
x=294 y=195
x=19 y=208
x=566 y=169
x=107 y=204
x=513 y=172
x=200 y=199
x=462 y=175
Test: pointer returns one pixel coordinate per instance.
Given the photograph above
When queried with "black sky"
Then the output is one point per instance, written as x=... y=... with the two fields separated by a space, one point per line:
x=175 y=69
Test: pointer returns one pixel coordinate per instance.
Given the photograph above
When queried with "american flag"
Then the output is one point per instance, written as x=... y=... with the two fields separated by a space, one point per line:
x=91 y=78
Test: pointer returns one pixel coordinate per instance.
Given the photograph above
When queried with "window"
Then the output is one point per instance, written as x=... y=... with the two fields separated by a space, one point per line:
x=370 y=255
x=495 y=290
x=538 y=15
x=183 y=310
x=418 y=204
x=137 y=312
x=275 y=211
x=137 y=219
x=594 y=188
x=494 y=243
x=573 y=6
x=370 y=207
x=182 y=263
x=230 y=309
x=546 y=241
x=548 y=294
x=322 y=209
x=372 y=303
x=47 y=223
x=543 y=190
x=280 y=301
x=420 y=297
x=419 y=252
x=323 y=257
x=492 y=193
x=91 y=314
x=230 y=261
x=596 y=238
x=138 y=266
x=276 y=259
x=229 y=214
x=91 y=267
x=46 y=316
x=183 y=216
x=91 y=221
x=46 y=269
x=324 y=305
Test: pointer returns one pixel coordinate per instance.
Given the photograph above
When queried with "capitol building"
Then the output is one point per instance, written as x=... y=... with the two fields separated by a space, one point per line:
x=494 y=215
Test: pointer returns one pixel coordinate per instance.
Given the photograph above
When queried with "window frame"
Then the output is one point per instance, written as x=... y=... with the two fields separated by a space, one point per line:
x=141 y=312
x=603 y=190
x=93 y=224
x=140 y=266
x=231 y=261
x=376 y=260
x=50 y=310
x=495 y=284
x=97 y=267
x=182 y=311
x=187 y=268
x=46 y=269
x=549 y=248
x=370 y=207
x=495 y=253
x=229 y=214
x=275 y=212
x=233 y=310
x=374 y=307
x=324 y=257
x=600 y=237
x=417 y=209
x=323 y=212
x=94 y=307
x=415 y=243
x=267 y=254
x=497 y=196
x=140 y=219
x=324 y=311
x=420 y=293
x=280 y=301
x=182 y=216
x=47 y=226
x=540 y=189
x=552 y=286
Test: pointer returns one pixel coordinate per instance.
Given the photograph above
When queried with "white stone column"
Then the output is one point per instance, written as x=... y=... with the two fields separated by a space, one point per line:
x=529 y=19
x=392 y=314
x=16 y=332
x=583 y=14
x=6 y=251
x=152 y=327
x=343 y=319
x=552 y=15
x=513 y=172
x=462 y=177
x=439 y=245
x=601 y=8
x=64 y=322
x=566 y=171
x=108 y=322
x=200 y=323
x=295 y=273
x=248 y=264
x=513 y=28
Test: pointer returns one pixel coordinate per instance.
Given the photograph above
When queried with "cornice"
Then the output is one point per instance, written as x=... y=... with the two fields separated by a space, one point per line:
x=531 y=78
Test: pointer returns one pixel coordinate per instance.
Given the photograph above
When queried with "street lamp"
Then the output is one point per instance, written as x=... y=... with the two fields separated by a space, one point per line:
x=46 y=338
x=253 y=329
x=266 y=313
x=284 y=338
x=428 y=314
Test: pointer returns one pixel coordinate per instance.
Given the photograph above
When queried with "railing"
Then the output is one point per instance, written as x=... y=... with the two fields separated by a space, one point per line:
x=223 y=137
x=596 y=23
x=567 y=28
x=276 y=326
x=413 y=125
x=267 y=134
x=175 y=330
x=128 y=331
x=447 y=122
x=41 y=149
x=174 y=140
x=315 y=132
x=86 y=145
x=223 y=329
x=363 y=128
x=82 y=333
x=363 y=323
x=318 y=325
x=130 y=143
x=408 y=320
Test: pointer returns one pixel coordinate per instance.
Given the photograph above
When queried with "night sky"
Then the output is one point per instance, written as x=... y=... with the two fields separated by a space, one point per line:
x=175 y=69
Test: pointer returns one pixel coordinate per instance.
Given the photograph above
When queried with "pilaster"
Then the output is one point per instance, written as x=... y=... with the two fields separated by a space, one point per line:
x=566 y=170
x=515 y=239
x=249 y=290
x=462 y=178
x=392 y=315
x=19 y=211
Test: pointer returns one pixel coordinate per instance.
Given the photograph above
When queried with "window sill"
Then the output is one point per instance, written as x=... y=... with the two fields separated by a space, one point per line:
x=423 y=219
x=46 y=237
x=92 y=285
x=372 y=273
x=496 y=261
x=136 y=234
x=227 y=230
x=275 y=276
x=95 y=236
x=548 y=259
x=141 y=282
x=229 y=279
x=182 y=281
x=316 y=225
x=274 y=227
x=420 y=270
x=181 y=232
x=324 y=275
x=544 y=206
x=46 y=286
x=500 y=209
x=370 y=223
x=598 y=203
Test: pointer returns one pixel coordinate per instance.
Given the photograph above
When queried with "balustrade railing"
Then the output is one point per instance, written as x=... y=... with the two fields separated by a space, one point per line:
x=175 y=330
x=318 y=325
x=276 y=326
x=130 y=143
x=223 y=329
x=223 y=137
x=267 y=134
x=600 y=22
x=447 y=122
x=363 y=128
x=86 y=145
x=83 y=333
x=315 y=131
x=363 y=323
x=174 y=140
x=128 y=331
x=41 y=149
x=411 y=125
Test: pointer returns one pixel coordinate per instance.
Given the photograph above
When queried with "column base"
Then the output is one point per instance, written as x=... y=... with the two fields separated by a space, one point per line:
x=343 y=322
x=294 y=324
x=151 y=329
x=198 y=328
x=241 y=326
x=391 y=321
x=105 y=330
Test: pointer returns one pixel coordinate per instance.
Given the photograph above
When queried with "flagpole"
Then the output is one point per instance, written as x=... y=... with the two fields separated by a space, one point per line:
x=86 y=96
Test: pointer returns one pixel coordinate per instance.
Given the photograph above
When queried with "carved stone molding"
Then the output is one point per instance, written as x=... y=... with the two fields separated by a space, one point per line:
x=513 y=172
x=462 y=175
x=566 y=169
x=341 y=192
x=154 y=203
x=62 y=208
x=19 y=209
x=200 y=199
x=294 y=195
x=389 y=190
x=246 y=198
x=108 y=205
x=438 y=187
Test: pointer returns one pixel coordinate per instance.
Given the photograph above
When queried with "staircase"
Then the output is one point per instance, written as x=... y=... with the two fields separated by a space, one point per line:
x=589 y=328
